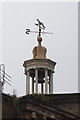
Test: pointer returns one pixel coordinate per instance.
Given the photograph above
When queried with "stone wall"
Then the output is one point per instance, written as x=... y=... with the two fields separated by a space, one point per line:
x=40 y=105
x=66 y=102
x=8 y=110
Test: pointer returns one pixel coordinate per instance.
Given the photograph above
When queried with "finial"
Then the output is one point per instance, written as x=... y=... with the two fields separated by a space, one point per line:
x=39 y=51
x=39 y=39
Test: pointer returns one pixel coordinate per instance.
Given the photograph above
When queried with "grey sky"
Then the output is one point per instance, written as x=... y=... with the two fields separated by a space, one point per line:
x=62 y=46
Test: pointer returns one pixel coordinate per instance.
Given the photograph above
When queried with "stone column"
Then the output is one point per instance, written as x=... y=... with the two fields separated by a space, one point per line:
x=41 y=88
x=46 y=81
x=32 y=85
x=27 y=83
x=36 y=80
x=51 y=83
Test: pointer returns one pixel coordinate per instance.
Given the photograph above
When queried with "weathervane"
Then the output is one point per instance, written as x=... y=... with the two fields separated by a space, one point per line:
x=41 y=27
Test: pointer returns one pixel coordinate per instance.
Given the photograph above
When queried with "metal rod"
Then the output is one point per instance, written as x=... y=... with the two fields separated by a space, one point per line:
x=6 y=73
x=41 y=32
x=6 y=78
x=5 y=81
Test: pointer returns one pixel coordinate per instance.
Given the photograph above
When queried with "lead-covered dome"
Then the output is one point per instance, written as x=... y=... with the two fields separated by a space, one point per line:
x=39 y=51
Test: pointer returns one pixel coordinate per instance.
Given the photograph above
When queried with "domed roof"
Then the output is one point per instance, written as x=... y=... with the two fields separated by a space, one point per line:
x=39 y=51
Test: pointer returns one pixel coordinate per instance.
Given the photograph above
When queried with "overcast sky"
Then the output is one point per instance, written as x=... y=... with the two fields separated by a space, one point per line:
x=62 y=46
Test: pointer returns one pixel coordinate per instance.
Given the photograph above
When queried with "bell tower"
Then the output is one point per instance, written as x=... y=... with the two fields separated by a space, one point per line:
x=39 y=70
